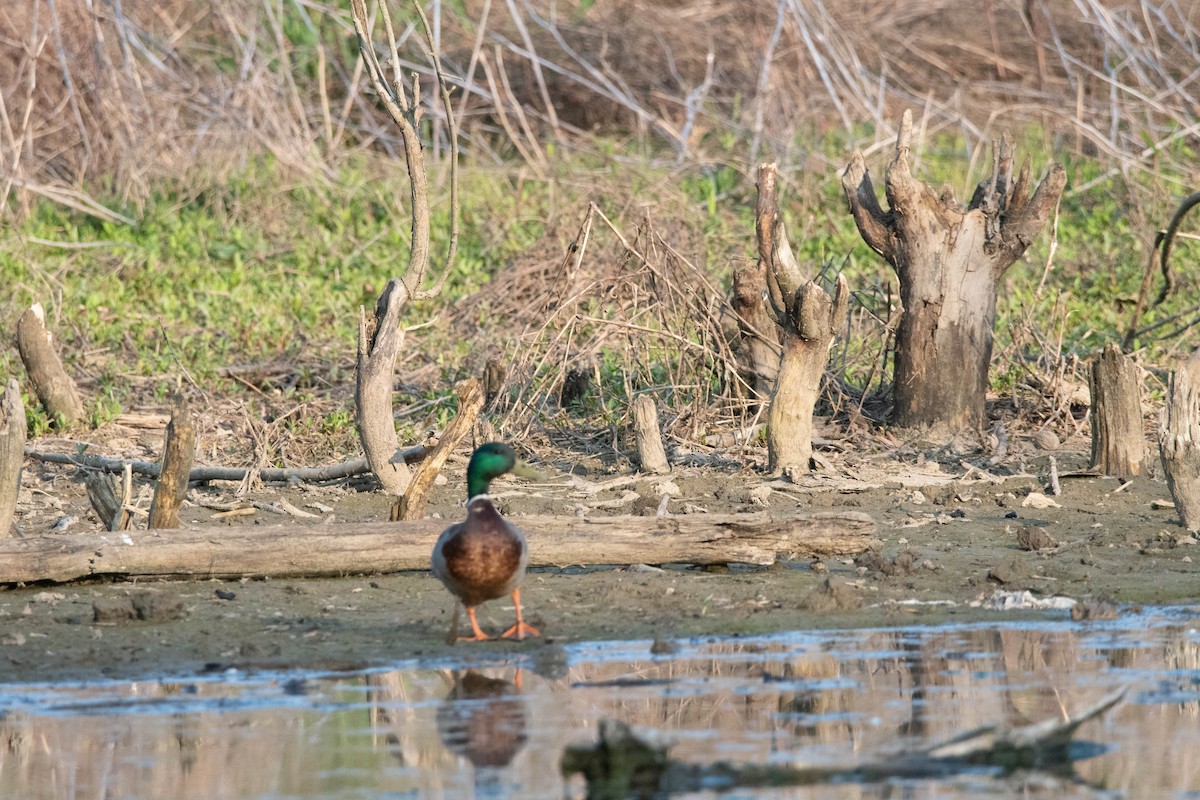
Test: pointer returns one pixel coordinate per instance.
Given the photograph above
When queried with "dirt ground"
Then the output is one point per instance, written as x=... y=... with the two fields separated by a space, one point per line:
x=956 y=529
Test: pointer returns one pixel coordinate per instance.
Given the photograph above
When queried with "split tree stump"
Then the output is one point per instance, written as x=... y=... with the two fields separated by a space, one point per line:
x=1179 y=441
x=949 y=262
x=1118 y=440
x=809 y=319
x=54 y=387
x=12 y=453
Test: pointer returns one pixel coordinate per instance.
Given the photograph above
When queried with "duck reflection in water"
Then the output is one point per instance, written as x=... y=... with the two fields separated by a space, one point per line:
x=484 y=719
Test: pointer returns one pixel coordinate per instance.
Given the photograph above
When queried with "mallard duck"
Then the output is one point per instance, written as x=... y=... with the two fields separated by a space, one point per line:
x=484 y=556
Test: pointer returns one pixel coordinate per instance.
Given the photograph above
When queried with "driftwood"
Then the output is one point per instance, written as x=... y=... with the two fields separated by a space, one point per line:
x=12 y=453
x=1118 y=441
x=809 y=318
x=1179 y=441
x=647 y=436
x=334 y=550
x=949 y=261
x=112 y=498
x=470 y=402
x=621 y=764
x=149 y=469
x=54 y=387
x=379 y=347
x=179 y=452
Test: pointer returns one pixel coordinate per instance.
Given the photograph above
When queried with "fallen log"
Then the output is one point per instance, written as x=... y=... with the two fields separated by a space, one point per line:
x=375 y=547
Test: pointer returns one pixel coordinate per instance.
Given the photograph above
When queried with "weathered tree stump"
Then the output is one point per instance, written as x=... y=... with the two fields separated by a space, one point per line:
x=179 y=451
x=809 y=320
x=1179 y=441
x=1118 y=440
x=54 y=387
x=110 y=497
x=12 y=453
x=752 y=333
x=949 y=262
x=648 y=437
x=411 y=505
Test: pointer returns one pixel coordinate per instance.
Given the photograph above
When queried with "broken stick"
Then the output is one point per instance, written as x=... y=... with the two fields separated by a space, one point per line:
x=54 y=387
x=178 y=454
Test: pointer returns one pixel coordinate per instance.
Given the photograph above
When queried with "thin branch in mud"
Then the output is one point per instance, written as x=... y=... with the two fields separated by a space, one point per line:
x=333 y=472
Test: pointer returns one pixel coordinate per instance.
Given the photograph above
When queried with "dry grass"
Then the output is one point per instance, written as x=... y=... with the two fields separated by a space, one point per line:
x=121 y=97
x=619 y=315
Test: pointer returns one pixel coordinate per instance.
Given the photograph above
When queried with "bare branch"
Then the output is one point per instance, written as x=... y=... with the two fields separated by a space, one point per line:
x=873 y=223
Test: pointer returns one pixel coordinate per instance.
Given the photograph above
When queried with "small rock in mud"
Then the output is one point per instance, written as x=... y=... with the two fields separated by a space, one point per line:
x=113 y=609
x=1031 y=538
x=663 y=647
x=252 y=649
x=831 y=596
x=1093 y=609
x=901 y=564
x=156 y=607
x=225 y=594
x=1046 y=440
x=1015 y=571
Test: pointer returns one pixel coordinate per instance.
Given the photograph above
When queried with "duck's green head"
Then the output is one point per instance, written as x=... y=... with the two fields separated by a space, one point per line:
x=490 y=461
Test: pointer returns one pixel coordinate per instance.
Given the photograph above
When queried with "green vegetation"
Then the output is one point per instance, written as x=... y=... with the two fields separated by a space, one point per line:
x=260 y=250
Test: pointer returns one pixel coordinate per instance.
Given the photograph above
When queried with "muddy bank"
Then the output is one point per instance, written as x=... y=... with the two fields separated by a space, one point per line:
x=953 y=535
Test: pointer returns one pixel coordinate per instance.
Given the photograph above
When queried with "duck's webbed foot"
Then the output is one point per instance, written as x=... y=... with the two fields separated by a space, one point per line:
x=520 y=630
x=478 y=634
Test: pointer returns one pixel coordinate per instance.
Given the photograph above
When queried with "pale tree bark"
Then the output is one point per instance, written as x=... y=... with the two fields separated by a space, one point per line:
x=323 y=550
x=648 y=437
x=379 y=342
x=1118 y=440
x=12 y=453
x=809 y=319
x=949 y=262
x=1179 y=441
x=470 y=403
x=179 y=451
x=54 y=387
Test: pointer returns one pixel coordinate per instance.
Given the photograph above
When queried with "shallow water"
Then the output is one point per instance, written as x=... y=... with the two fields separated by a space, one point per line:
x=489 y=727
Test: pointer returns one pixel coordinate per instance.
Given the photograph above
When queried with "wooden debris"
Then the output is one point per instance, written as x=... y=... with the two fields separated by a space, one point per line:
x=111 y=498
x=651 y=454
x=332 y=472
x=411 y=505
x=178 y=454
x=324 y=550
x=54 y=387
x=1118 y=442
x=1179 y=441
x=12 y=453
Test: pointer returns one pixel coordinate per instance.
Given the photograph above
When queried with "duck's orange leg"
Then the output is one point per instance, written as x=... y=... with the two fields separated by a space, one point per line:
x=453 y=636
x=479 y=636
x=520 y=630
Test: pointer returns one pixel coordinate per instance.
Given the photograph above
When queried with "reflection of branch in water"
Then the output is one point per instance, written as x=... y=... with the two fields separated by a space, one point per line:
x=622 y=765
